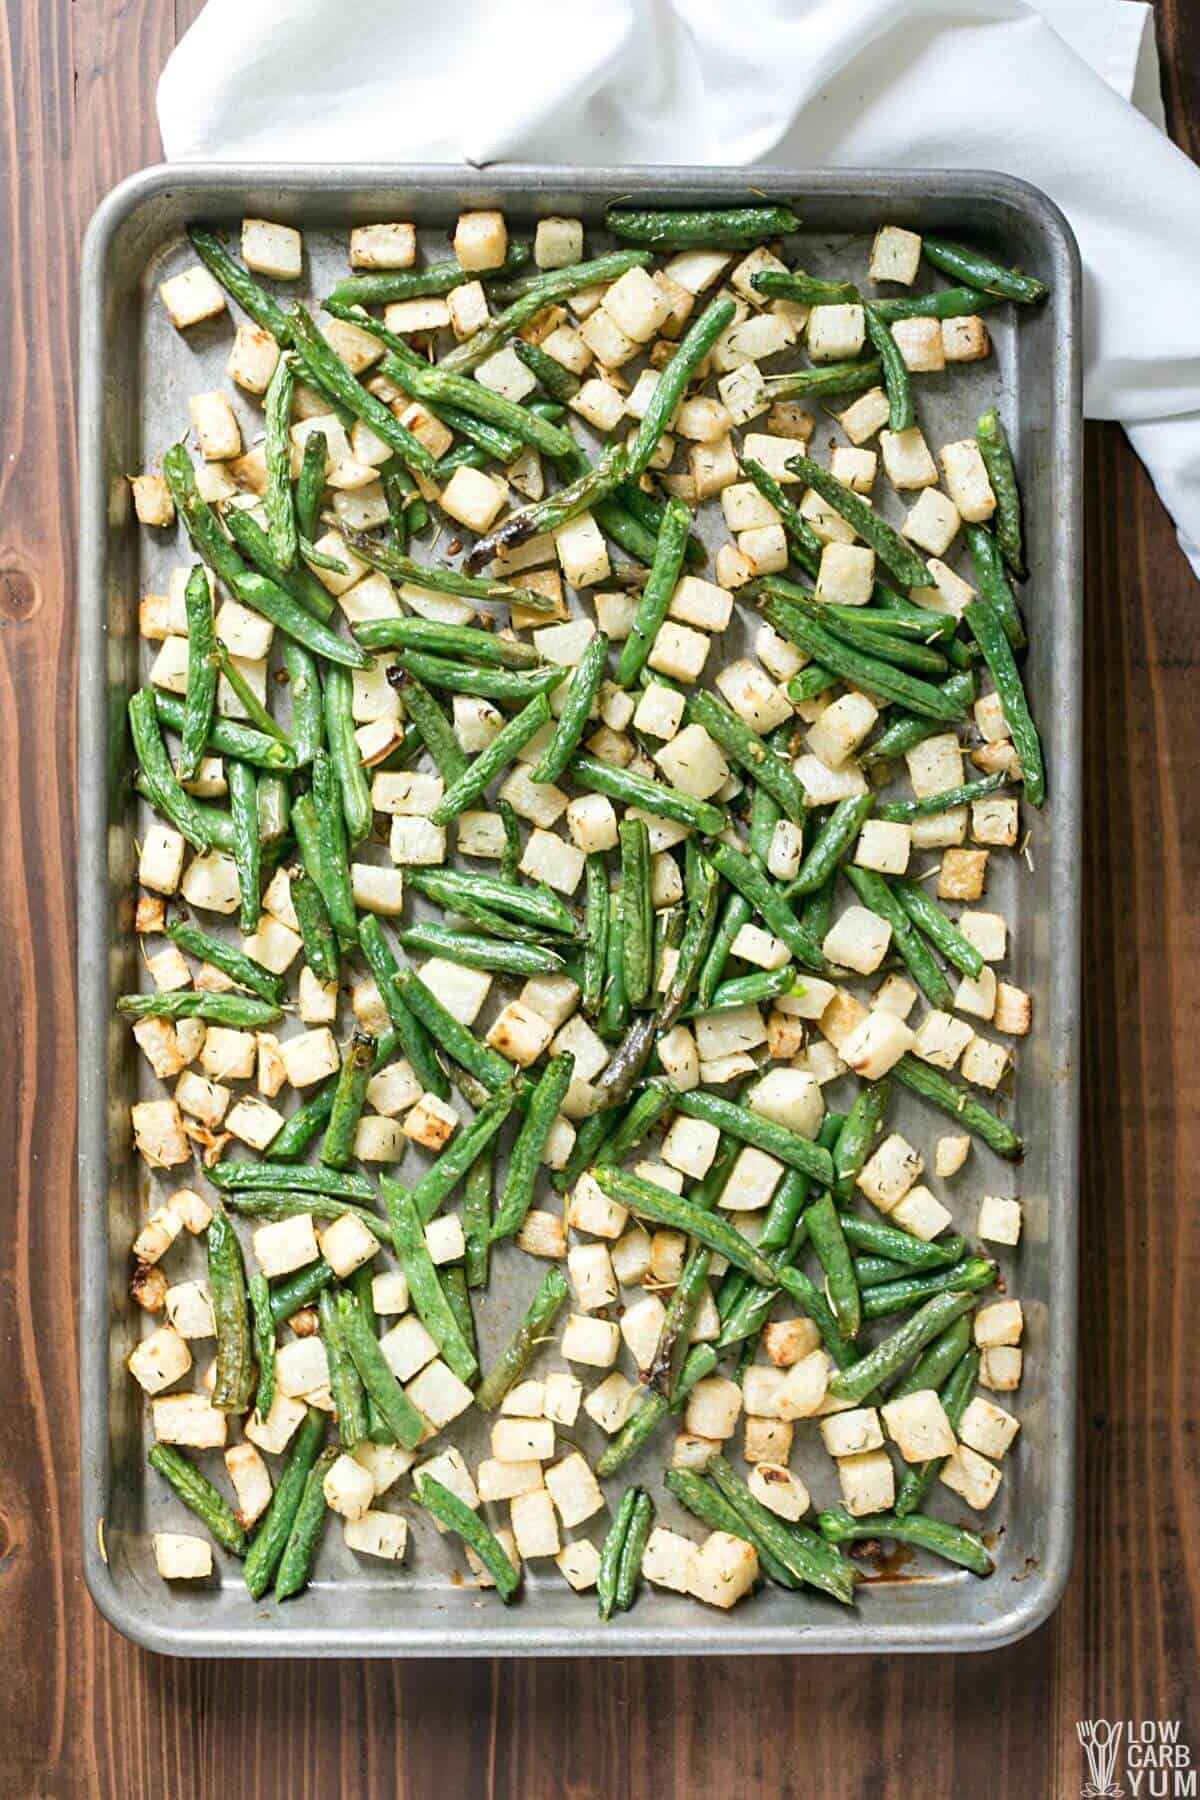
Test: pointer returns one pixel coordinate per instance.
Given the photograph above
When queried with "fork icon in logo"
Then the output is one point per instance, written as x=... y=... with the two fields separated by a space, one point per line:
x=1100 y=1741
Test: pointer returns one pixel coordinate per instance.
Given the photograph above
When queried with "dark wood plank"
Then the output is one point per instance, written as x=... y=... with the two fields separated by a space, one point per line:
x=90 y=1715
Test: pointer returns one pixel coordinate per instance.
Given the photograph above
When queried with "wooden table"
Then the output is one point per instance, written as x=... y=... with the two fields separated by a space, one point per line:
x=84 y=1712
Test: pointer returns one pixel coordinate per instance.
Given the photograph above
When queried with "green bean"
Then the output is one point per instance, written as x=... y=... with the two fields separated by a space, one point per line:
x=594 y=1132
x=253 y=590
x=709 y=228
x=811 y=681
x=874 y=1271
x=997 y=456
x=444 y=386
x=308 y=710
x=906 y=731
x=798 y=1548
x=693 y=347
x=274 y=1204
x=737 y=910
x=413 y=1033
x=887 y=1241
x=656 y=1098
x=803 y=628
x=443 y=1176
x=278 y=501
x=273 y=813
x=320 y=944
x=349 y=1395
x=908 y=1290
x=552 y=511
x=477 y=1218
x=344 y=753
x=319 y=825
x=936 y=1364
x=783 y=1215
x=247 y=845
x=360 y=1284
x=895 y=1352
x=244 y=693
x=454 y=1286
x=252 y=298
x=162 y=786
x=425 y=1290
x=896 y=378
x=614 y=1010
x=697 y=947
x=259 y=1177
x=262 y=1320
x=326 y=370
x=577 y=707
x=704 y=1502
x=899 y=812
x=436 y=577
x=275 y=1526
x=633 y=1548
x=299 y=1290
x=803 y=542
x=485 y=1064
x=745 y=747
x=434 y=727
x=876 y=894
x=916 y=624
x=198 y=1493
x=665 y=1208
x=805 y=290
x=637 y=915
x=490 y=762
x=650 y=1407
x=465 y=642
x=946 y=303
x=747 y=990
x=838 y=831
x=991 y=578
x=480 y=952
x=235 y=1010
x=234 y=1380
x=610 y=1552
x=358 y=1062
x=310 y=483
x=953 y=1543
x=905 y=563
x=826 y=378
x=595 y=951
x=743 y=873
x=558 y=382
x=692 y=1285
x=295 y=1565
x=656 y=595
x=997 y=653
x=955 y=1395
x=508 y=686
x=537 y=292
x=493 y=440
x=517 y=1194
x=231 y=961
x=456 y=1516
x=533 y=1330
x=397 y=1411
x=750 y=1128
x=979 y=271
x=229 y=737
x=509 y=867
x=825 y=1235
x=939 y=928
x=860 y=633
x=380 y=289
x=522 y=914
x=200 y=700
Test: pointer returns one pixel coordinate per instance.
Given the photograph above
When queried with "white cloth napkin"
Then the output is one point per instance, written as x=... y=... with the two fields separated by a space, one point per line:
x=988 y=84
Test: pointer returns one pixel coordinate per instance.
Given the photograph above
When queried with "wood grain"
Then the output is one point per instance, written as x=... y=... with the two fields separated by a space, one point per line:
x=87 y=1714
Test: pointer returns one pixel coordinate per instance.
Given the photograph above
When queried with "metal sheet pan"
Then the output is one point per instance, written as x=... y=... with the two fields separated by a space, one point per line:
x=136 y=376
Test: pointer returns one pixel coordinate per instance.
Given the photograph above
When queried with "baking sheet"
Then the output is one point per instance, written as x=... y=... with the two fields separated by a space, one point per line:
x=137 y=374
